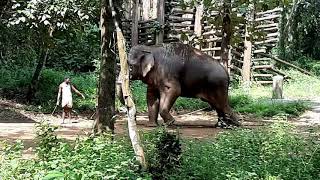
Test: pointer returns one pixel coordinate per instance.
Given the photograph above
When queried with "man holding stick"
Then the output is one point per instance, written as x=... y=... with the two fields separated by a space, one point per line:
x=65 y=89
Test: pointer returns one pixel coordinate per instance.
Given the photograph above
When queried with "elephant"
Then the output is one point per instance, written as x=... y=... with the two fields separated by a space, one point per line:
x=171 y=70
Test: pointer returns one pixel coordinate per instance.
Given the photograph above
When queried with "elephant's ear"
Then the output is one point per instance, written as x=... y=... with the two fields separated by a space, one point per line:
x=147 y=63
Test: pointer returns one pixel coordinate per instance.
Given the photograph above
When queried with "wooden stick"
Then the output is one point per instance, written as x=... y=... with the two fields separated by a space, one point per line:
x=287 y=63
x=269 y=11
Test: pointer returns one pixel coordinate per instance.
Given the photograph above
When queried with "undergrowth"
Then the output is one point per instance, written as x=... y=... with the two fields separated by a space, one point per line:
x=273 y=152
x=270 y=153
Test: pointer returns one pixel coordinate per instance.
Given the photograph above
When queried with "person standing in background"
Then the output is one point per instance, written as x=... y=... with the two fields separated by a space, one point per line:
x=66 y=88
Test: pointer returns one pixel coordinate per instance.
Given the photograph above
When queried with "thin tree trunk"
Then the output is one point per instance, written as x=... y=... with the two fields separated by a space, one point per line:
x=106 y=94
x=226 y=32
x=36 y=76
x=127 y=95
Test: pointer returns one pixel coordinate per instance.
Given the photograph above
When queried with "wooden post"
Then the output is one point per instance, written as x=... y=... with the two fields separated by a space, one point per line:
x=145 y=9
x=277 y=87
x=246 y=68
x=226 y=33
x=160 y=17
x=197 y=22
x=135 y=21
x=154 y=9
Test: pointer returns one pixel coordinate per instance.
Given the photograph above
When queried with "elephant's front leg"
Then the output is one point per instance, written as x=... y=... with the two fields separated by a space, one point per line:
x=153 y=106
x=167 y=99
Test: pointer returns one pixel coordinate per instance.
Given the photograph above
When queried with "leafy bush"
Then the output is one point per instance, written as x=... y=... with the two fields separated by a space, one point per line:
x=163 y=151
x=88 y=158
x=272 y=153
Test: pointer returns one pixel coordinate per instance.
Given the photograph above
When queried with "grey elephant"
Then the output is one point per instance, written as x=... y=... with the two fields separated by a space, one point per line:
x=175 y=69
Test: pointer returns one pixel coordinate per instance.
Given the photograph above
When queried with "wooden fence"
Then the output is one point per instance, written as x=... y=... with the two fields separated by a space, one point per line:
x=155 y=21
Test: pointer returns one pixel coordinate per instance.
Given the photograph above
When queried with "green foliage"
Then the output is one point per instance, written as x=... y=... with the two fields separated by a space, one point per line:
x=305 y=29
x=49 y=83
x=46 y=140
x=14 y=77
x=263 y=107
x=270 y=153
x=163 y=152
x=88 y=158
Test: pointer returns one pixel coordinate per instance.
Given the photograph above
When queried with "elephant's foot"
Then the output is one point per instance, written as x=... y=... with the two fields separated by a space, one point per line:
x=225 y=125
x=151 y=124
x=169 y=123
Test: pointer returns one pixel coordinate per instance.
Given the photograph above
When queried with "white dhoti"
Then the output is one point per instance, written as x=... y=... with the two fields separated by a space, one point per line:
x=66 y=96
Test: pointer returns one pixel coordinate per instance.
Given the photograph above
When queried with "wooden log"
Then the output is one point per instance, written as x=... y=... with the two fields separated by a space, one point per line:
x=262 y=67
x=267 y=18
x=267 y=25
x=214 y=39
x=261 y=59
x=216 y=57
x=177 y=18
x=237 y=60
x=213 y=32
x=183 y=11
x=262 y=75
x=147 y=21
x=134 y=33
x=234 y=52
x=278 y=72
x=188 y=31
x=277 y=87
x=209 y=27
x=273 y=34
x=271 y=29
x=181 y=25
x=264 y=82
x=146 y=33
x=260 y=51
x=211 y=49
x=278 y=9
x=287 y=63
x=267 y=41
x=236 y=68
x=160 y=17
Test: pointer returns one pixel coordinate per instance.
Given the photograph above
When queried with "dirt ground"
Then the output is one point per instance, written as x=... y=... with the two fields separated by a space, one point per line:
x=16 y=123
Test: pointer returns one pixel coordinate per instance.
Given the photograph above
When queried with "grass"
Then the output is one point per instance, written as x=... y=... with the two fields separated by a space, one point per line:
x=274 y=152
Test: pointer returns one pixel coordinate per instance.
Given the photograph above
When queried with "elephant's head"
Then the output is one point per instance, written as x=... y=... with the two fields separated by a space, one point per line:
x=141 y=61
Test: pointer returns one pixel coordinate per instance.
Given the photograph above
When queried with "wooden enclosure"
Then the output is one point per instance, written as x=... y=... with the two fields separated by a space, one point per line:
x=152 y=22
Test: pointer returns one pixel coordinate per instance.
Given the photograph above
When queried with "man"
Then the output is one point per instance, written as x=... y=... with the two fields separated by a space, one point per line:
x=65 y=88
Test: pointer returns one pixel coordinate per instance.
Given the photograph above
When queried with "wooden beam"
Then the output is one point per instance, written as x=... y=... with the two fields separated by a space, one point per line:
x=286 y=63
x=267 y=18
x=270 y=11
x=211 y=49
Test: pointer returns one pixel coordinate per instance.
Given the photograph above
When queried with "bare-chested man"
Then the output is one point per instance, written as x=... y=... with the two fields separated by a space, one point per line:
x=65 y=88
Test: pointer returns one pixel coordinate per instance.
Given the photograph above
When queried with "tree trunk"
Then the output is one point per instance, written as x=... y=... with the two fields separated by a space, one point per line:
x=36 y=76
x=226 y=33
x=127 y=95
x=106 y=93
